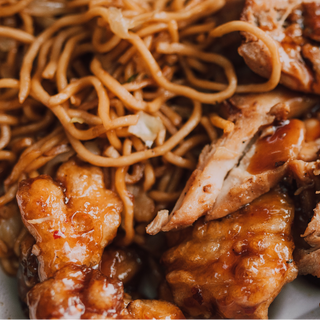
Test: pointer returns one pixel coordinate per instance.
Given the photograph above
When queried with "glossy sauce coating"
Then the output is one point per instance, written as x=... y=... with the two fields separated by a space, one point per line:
x=76 y=292
x=274 y=150
x=79 y=292
x=234 y=267
x=121 y=264
x=72 y=219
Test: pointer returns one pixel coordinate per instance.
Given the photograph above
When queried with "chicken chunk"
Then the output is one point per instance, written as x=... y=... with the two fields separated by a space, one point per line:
x=263 y=166
x=72 y=218
x=250 y=112
x=307 y=221
x=295 y=26
x=76 y=292
x=79 y=292
x=234 y=267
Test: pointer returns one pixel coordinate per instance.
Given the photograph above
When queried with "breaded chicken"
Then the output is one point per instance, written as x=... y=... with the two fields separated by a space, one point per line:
x=234 y=267
x=79 y=292
x=76 y=292
x=72 y=218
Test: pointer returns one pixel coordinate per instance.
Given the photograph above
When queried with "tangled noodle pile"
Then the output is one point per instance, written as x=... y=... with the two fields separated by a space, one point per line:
x=127 y=85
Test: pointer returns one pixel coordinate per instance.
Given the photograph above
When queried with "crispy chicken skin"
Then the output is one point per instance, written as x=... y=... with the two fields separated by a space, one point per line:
x=234 y=267
x=72 y=218
x=295 y=26
x=202 y=189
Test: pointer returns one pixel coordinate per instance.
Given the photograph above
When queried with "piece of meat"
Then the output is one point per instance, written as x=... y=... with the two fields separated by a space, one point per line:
x=154 y=309
x=199 y=195
x=121 y=264
x=307 y=221
x=76 y=292
x=262 y=167
x=235 y=266
x=79 y=292
x=294 y=25
x=72 y=218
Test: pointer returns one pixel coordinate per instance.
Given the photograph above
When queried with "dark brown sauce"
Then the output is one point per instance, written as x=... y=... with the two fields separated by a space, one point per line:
x=274 y=150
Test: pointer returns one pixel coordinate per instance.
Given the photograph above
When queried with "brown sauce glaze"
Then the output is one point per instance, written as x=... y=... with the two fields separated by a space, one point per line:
x=76 y=292
x=79 y=292
x=72 y=219
x=274 y=150
x=235 y=266
x=121 y=264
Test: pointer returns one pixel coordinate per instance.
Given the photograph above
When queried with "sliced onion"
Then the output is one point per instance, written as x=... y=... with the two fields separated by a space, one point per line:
x=147 y=128
x=118 y=24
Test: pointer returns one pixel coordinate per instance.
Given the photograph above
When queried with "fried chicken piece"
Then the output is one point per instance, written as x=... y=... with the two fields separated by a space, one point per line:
x=72 y=218
x=307 y=222
x=202 y=189
x=80 y=292
x=121 y=264
x=295 y=26
x=76 y=292
x=262 y=167
x=234 y=267
x=154 y=309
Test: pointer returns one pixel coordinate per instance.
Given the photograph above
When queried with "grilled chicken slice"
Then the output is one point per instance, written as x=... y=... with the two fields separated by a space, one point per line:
x=295 y=26
x=263 y=166
x=234 y=267
x=72 y=218
x=250 y=112
x=307 y=222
